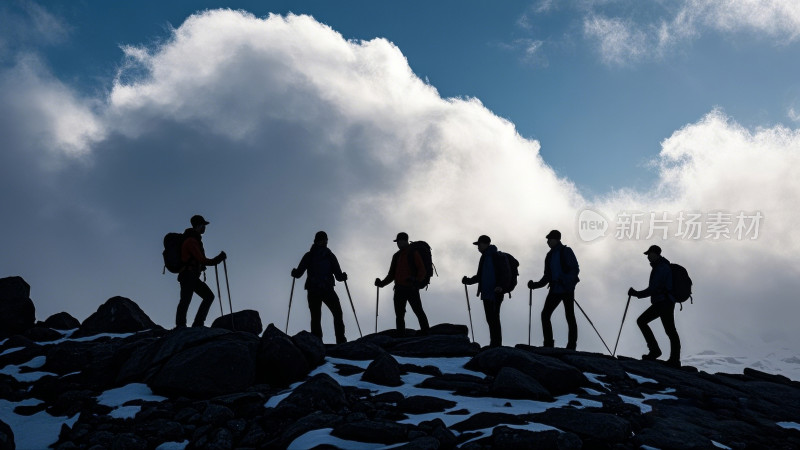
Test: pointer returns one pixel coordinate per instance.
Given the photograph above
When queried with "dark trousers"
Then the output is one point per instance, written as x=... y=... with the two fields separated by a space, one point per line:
x=410 y=295
x=190 y=285
x=316 y=297
x=665 y=311
x=550 y=304
x=492 y=310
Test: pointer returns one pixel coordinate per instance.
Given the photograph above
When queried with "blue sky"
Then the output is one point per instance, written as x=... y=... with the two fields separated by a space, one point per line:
x=445 y=120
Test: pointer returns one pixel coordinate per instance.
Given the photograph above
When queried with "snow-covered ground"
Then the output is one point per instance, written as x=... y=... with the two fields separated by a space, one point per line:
x=42 y=429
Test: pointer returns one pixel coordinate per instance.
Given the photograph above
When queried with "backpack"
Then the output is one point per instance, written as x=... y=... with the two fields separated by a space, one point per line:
x=172 y=252
x=424 y=251
x=513 y=266
x=681 y=284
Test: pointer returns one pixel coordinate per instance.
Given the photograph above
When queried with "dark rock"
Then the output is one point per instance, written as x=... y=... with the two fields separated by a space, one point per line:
x=463 y=384
x=423 y=404
x=388 y=397
x=449 y=328
x=319 y=393
x=216 y=415
x=593 y=428
x=280 y=362
x=511 y=383
x=384 y=371
x=146 y=360
x=128 y=441
x=436 y=346
x=421 y=443
x=6 y=437
x=513 y=439
x=116 y=315
x=311 y=346
x=483 y=420
x=557 y=377
x=356 y=351
x=372 y=431
x=62 y=321
x=254 y=437
x=224 y=365
x=42 y=334
x=244 y=404
x=313 y=421
x=597 y=364
x=17 y=312
x=348 y=369
x=246 y=320
x=424 y=370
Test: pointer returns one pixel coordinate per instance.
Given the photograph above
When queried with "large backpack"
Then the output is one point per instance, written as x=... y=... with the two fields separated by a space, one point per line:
x=172 y=252
x=513 y=266
x=681 y=284
x=424 y=251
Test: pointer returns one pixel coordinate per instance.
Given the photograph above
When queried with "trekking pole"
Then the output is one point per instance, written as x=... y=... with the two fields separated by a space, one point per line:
x=620 y=325
x=228 y=287
x=595 y=329
x=377 y=297
x=289 y=311
x=530 y=311
x=219 y=296
x=354 y=308
x=469 y=311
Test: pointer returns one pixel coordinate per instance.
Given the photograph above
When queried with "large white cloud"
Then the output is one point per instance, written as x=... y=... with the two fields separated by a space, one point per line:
x=277 y=127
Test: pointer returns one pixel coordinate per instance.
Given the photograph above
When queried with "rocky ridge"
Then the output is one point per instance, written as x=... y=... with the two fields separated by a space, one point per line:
x=260 y=388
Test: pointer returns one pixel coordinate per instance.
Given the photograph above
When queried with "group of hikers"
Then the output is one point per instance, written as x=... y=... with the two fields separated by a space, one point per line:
x=495 y=277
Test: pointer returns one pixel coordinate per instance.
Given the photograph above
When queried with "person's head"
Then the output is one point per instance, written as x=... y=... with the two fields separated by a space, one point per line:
x=199 y=223
x=483 y=243
x=653 y=253
x=553 y=239
x=401 y=240
x=321 y=238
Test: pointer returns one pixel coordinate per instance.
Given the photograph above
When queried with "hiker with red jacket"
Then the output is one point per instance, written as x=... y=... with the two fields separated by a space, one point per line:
x=493 y=278
x=407 y=270
x=322 y=267
x=560 y=276
x=662 y=306
x=194 y=261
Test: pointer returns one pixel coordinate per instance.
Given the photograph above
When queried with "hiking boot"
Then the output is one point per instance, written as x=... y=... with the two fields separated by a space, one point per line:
x=572 y=346
x=673 y=362
x=652 y=356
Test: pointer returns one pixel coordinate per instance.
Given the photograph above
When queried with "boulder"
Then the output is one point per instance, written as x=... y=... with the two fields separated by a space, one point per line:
x=512 y=439
x=224 y=365
x=42 y=334
x=356 y=351
x=449 y=328
x=319 y=393
x=6 y=437
x=280 y=362
x=245 y=320
x=595 y=429
x=384 y=371
x=384 y=432
x=511 y=383
x=116 y=315
x=557 y=377
x=311 y=346
x=443 y=345
x=17 y=312
x=423 y=404
x=62 y=321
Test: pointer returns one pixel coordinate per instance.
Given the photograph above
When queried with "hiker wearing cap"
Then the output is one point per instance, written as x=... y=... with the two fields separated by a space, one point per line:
x=494 y=275
x=407 y=270
x=322 y=267
x=193 y=257
x=560 y=275
x=662 y=306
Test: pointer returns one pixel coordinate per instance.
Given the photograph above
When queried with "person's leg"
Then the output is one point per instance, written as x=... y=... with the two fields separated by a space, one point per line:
x=187 y=290
x=416 y=305
x=331 y=300
x=668 y=320
x=572 y=325
x=207 y=295
x=649 y=315
x=550 y=304
x=492 y=310
x=400 y=308
x=315 y=308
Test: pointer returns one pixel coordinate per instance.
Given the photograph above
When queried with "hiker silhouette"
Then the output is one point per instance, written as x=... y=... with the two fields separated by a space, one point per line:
x=194 y=262
x=407 y=270
x=322 y=267
x=560 y=275
x=662 y=306
x=494 y=279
